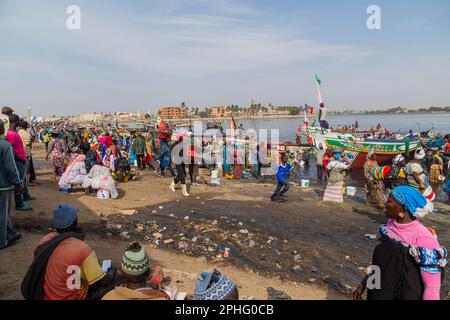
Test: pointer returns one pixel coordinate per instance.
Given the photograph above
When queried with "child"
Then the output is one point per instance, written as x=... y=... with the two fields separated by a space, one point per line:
x=282 y=173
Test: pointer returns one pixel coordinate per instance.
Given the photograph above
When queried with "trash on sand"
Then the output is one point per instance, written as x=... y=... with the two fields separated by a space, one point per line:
x=154 y=211
x=129 y=212
x=244 y=231
x=298 y=268
x=273 y=294
x=214 y=222
x=312 y=280
x=297 y=258
x=161 y=207
x=186 y=218
x=124 y=235
x=157 y=235
x=348 y=258
x=182 y=245
x=194 y=239
x=371 y=236
x=251 y=244
x=168 y=241
x=146 y=238
x=171 y=215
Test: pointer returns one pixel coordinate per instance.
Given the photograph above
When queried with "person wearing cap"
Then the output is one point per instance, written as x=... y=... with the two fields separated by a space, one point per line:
x=69 y=255
x=374 y=188
x=20 y=157
x=135 y=272
x=9 y=179
x=215 y=286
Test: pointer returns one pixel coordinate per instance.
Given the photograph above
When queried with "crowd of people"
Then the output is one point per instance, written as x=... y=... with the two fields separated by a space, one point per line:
x=65 y=267
x=97 y=159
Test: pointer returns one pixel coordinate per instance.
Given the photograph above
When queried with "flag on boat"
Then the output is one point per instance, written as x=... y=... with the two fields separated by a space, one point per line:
x=319 y=82
x=309 y=109
x=233 y=123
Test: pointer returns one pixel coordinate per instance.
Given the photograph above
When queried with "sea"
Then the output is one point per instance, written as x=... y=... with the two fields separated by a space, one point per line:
x=398 y=123
x=401 y=123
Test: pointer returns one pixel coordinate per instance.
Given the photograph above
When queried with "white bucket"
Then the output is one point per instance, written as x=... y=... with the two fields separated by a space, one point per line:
x=103 y=194
x=305 y=183
x=351 y=191
x=214 y=174
x=135 y=163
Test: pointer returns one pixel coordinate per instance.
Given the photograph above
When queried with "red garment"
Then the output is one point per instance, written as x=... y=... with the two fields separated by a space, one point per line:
x=326 y=160
x=108 y=141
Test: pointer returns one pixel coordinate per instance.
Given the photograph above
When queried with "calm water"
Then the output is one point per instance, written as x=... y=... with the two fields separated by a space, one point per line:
x=395 y=123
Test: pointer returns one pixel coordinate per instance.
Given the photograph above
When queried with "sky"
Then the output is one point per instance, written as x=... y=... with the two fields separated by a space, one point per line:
x=140 y=55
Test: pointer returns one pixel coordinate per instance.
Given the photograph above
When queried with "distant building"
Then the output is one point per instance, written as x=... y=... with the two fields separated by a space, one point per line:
x=219 y=112
x=173 y=112
x=287 y=110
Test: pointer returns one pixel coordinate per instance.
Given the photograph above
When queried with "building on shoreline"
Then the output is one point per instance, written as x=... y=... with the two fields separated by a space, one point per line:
x=173 y=112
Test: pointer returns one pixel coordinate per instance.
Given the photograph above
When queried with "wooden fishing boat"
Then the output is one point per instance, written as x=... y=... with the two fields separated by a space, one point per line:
x=356 y=149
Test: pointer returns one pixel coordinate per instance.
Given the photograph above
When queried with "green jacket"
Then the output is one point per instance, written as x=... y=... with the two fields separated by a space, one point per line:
x=138 y=146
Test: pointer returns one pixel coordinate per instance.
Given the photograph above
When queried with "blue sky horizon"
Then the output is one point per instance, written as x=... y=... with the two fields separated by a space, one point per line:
x=141 y=55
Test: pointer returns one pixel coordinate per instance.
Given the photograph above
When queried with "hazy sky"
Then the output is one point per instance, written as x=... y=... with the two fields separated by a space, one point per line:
x=132 y=55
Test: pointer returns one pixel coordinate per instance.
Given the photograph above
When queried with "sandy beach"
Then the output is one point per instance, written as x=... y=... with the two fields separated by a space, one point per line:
x=303 y=247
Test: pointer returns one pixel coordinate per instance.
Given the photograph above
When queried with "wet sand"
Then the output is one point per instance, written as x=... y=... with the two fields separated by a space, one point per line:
x=303 y=247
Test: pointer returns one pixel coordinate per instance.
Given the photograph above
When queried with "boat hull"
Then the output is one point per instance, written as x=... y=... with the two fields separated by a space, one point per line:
x=356 y=150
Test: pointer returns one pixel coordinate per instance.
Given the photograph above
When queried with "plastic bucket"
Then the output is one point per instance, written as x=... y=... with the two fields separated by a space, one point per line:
x=214 y=174
x=351 y=191
x=103 y=194
x=245 y=175
x=304 y=183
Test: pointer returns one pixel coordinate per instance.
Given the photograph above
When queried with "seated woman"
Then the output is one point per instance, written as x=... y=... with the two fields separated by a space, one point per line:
x=75 y=174
x=100 y=178
x=409 y=257
x=123 y=171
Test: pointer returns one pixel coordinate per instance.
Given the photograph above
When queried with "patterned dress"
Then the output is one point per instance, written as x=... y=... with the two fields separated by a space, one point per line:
x=374 y=188
x=58 y=157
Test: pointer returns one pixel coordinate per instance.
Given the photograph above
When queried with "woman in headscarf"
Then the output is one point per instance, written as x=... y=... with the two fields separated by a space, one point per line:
x=100 y=178
x=334 y=190
x=374 y=188
x=75 y=174
x=410 y=257
x=58 y=150
x=416 y=175
x=436 y=168
x=397 y=176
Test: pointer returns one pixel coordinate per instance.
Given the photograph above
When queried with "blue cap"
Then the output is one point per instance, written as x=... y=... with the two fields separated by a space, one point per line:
x=64 y=216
